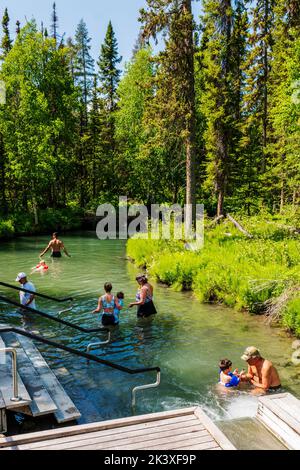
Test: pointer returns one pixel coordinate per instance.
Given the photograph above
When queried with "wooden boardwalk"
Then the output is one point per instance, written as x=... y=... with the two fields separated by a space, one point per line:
x=39 y=388
x=185 y=429
x=280 y=413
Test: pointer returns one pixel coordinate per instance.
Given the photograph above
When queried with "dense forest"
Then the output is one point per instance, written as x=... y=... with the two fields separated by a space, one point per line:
x=213 y=117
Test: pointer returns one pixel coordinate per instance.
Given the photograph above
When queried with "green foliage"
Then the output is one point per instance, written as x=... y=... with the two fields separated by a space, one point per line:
x=7 y=229
x=231 y=269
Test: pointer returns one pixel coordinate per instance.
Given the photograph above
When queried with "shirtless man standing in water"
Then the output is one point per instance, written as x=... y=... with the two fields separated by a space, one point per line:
x=261 y=372
x=56 y=246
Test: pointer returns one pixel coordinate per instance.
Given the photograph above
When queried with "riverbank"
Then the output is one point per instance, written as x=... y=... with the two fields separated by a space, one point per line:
x=49 y=220
x=259 y=275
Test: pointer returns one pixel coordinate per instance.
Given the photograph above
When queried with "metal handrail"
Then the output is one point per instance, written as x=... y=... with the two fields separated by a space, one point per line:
x=13 y=352
x=144 y=387
x=101 y=343
x=88 y=356
x=37 y=294
x=51 y=317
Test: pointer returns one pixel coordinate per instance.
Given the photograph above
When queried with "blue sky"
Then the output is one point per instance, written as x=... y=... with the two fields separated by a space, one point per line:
x=96 y=13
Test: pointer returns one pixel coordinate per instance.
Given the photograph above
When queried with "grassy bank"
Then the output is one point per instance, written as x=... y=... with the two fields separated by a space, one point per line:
x=49 y=220
x=259 y=275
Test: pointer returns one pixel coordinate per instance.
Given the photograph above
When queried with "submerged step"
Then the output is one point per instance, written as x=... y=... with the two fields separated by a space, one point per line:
x=66 y=410
x=250 y=434
x=42 y=402
x=6 y=383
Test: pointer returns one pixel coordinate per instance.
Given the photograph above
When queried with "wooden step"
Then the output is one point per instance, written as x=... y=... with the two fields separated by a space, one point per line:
x=66 y=410
x=280 y=413
x=42 y=402
x=6 y=384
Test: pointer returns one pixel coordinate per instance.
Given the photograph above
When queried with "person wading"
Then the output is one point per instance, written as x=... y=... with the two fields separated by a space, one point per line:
x=55 y=245
x=144 y=298
x=107 y=304
x=26 y=299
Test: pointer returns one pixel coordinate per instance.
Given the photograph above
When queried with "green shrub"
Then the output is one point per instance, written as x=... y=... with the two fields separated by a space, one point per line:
x=7 y=229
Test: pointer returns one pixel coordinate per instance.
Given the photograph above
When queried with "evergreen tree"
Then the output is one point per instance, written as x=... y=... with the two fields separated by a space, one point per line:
x=18 y=29
x=258 y=71
x=285 y=137
x=54 y=24
x=108 y=72
x=175 y=19
x=6 y=43
x=218 y=99
x=84 y=76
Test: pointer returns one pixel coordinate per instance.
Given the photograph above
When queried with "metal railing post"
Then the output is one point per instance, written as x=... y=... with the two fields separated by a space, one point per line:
x=13 y=352
x=144 y=387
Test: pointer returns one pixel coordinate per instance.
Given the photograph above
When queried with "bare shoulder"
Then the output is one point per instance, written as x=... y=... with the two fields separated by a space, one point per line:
x=267 y=364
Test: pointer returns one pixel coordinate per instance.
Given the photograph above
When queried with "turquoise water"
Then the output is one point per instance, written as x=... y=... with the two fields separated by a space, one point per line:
x=186 y=339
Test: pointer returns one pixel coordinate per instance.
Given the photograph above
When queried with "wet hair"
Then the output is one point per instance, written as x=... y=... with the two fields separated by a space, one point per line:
x=142 y=278
x=120 y=295
x=55 y=234
x=224 y=364
x=108 y=287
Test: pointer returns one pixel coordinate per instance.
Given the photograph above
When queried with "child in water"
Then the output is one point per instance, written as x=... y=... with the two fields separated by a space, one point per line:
x=120 y=297
x=228 y=378
x=40 y=268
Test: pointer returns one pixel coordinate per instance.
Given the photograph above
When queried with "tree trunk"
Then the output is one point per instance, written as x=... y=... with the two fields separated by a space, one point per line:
x=3 y=200
x=191 y=124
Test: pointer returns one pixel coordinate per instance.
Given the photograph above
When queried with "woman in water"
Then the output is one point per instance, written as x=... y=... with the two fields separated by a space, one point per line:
x=106 y=305
x=144 y=296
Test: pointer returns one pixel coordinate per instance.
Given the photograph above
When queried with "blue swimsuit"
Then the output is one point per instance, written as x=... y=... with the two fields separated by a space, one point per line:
x=233 y=382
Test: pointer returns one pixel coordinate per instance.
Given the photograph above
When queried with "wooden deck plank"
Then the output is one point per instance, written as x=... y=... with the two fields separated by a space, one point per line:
x=117 y=439
x=119 y=433
x=173 y=430
x=66 y=410
x=92 y=427
x=41 y=403
x=136 y=444
x=282 y=413
x=279 y=428
x=6 y=385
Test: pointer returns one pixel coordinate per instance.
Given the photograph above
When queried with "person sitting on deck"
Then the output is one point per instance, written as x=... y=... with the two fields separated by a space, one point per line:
x=228 y=378
x=56 y=246
x=261 y=372
x=26 y=299
x=106 y=305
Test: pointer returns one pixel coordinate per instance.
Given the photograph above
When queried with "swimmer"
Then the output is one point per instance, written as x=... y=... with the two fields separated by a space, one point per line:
x=228 y=378
x=40 y=268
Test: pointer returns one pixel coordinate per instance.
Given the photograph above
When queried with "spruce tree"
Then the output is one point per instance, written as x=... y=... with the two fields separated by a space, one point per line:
x=6 y=43
x=218 y=103
x=84 y=77
x=108 y=71
x=175 y=19
x=54 y=24
x=258 y=71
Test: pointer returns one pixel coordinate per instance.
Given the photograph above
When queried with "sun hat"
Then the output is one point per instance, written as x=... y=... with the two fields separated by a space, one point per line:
x=250 y=353
x=20 y=276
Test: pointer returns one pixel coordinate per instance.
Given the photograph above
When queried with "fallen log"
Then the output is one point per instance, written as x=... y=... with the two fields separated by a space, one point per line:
x=238 y=226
